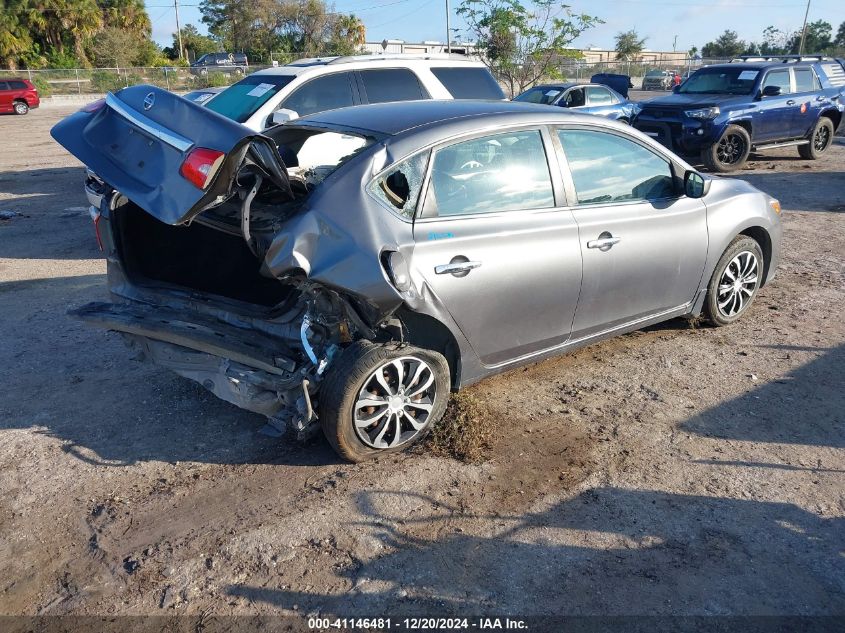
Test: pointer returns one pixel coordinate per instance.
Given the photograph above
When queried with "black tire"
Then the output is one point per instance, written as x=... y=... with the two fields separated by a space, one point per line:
x=350 y=375
x=21 y=107
x=730 y=152
x=820 y=140
x=714 y=310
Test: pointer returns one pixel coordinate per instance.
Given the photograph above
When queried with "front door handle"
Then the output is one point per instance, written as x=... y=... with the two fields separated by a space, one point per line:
x=604 y=243
x=459 y=268
x=790 y=102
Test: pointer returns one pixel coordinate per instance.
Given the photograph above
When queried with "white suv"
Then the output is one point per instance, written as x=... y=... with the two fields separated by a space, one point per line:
x=306 y=86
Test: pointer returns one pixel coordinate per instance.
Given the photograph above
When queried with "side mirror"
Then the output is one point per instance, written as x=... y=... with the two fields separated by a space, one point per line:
x=694 y=185
x=284 y=115
x=771 y=91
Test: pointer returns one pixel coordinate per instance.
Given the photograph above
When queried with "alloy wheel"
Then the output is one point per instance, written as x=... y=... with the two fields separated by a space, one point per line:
x=738 y=283
x=394 y=405
x=821 y=138
x=730 y=149
x=21 y=108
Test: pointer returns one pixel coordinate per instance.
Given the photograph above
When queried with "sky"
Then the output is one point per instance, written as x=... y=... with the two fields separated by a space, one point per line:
x=659 y=21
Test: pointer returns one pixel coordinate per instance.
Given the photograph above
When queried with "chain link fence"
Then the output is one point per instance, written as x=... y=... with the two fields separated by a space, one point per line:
x=82 y=81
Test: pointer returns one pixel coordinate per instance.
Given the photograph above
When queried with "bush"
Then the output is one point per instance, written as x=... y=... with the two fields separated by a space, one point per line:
x=111 y=81
x=216 y=79
x=45 y=89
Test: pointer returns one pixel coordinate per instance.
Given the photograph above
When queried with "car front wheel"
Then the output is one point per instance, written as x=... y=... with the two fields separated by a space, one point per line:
x=380 y=399
x=735 y=281
x=730 y=152
x=21 y=107
x=820 y=140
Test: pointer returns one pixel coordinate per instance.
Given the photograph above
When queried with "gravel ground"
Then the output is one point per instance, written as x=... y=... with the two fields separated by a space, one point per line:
x=675 y=470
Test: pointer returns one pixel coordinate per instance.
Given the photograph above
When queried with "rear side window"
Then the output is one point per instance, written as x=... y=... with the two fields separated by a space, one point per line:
x=399 y=187
x=469 y=83
x=805 y=80
x=599 y=96
x=17 y=85
x=504 y=172
x=391 y=84
x=324 y=93
x=4 y=85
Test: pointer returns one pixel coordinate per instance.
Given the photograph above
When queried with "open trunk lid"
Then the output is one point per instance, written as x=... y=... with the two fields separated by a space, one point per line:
x=140 y=138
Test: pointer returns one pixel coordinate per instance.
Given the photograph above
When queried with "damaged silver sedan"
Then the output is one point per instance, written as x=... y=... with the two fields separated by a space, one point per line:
x=352 y=268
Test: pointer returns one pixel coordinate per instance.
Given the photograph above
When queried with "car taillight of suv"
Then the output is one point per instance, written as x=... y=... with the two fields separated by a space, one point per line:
x=18 y=96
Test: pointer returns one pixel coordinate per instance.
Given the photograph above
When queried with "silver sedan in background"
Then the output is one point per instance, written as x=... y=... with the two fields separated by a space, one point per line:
x=351 y=268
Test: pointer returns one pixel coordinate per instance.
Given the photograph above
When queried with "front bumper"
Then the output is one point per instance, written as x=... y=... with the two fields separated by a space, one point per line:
x=682 y=136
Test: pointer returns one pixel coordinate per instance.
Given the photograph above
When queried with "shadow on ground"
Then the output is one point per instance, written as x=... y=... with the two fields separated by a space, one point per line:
x=605 y=551
x=810 y=399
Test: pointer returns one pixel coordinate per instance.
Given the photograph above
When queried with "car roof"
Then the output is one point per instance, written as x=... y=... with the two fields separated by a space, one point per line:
x=761 y=65
x=394 y=118
x=314 y=65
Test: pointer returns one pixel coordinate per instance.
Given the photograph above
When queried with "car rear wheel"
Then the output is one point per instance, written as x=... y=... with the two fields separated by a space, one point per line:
x=21 y=107
x=735 y=281
x=820 y=140
x=380 y=399
x=730 y=152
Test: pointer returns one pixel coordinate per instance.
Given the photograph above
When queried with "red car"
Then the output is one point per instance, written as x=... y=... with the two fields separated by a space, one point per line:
x=18 y=96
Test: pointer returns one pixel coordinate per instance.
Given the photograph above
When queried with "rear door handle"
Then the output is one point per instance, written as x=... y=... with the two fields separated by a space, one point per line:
x=790 y=102
x=456 y=268
x=603 y=242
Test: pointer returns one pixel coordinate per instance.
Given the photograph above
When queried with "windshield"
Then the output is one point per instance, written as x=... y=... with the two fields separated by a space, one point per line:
x=539 y=95
x=721 y=81
x=241 y=100
x=654 y=73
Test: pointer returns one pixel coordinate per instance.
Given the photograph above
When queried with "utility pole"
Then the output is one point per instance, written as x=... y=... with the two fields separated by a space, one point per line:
x=448 y=30
x=804 y=30
x=675 y=44
x=178 y=29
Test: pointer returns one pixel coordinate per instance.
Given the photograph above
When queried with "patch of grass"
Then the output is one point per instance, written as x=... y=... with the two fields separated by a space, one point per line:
x=465 y=430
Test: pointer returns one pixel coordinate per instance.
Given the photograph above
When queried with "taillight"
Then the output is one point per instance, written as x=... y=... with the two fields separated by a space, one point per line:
x=201 y=165
x=94 y=106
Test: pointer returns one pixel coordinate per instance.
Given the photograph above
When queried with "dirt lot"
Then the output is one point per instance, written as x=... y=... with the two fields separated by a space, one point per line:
x=671 y=471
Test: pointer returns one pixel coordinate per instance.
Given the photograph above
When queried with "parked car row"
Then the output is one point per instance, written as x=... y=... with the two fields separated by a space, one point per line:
x=345 y=268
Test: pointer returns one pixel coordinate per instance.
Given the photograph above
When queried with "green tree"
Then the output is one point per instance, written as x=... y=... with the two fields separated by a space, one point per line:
x=629 y=45
x=520 y=44
x=839 y=42
x=194 y=44
x=127 y=15
x=775 y=41
x=817 y=39
x=727 y=44
x=15 y=39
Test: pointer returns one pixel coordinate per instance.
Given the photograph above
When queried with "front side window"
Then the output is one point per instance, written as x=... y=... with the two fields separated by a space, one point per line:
x=607 y=168
x=779 y=78
x=391 y=84
x=399 y=187
x=575 y=98
x=503 y=172
x=805 y=80
x=318 y=95
x=243 y=99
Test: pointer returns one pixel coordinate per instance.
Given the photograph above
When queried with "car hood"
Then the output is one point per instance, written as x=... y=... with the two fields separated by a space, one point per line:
x=138 y=141
x=689 y=100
